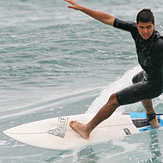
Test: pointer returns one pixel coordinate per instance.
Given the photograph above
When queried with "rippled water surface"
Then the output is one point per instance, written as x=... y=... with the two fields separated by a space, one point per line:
x=55 y=61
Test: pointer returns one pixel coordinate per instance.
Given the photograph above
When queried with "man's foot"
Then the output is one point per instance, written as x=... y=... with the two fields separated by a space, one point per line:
x=80 y=129
x=154 y=123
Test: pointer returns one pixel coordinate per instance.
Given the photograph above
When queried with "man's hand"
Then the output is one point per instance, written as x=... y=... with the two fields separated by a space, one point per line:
x=100 y=16
x=74 y=6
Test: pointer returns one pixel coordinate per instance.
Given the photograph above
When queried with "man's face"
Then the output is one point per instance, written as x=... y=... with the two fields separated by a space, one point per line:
x=145 y=29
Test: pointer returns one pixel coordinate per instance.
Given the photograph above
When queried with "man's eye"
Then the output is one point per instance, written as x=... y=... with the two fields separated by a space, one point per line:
x=148 y=27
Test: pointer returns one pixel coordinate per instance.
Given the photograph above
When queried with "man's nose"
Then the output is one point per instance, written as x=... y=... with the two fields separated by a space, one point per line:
x=145 y=30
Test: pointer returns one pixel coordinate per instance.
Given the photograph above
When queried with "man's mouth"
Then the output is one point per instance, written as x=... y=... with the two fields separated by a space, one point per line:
x=145 y=36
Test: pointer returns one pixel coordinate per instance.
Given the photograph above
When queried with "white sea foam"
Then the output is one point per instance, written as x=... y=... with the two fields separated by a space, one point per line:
x=120 y=83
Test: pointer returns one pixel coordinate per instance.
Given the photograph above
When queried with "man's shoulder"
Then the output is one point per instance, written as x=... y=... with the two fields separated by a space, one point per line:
x=159 y=38
x=158 y=45
x=125 y=25
x=122 y=22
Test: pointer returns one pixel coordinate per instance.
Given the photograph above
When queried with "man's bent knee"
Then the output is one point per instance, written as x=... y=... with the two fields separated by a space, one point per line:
x=113 y=100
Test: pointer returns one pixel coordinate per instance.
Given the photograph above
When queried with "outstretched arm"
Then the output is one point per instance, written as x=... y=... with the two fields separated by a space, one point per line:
x=100 y=16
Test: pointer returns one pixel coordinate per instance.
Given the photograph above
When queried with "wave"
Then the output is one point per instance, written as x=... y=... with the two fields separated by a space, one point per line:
x=119 y=84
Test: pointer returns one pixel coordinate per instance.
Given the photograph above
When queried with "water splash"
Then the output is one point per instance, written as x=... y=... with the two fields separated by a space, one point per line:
x=120 y=83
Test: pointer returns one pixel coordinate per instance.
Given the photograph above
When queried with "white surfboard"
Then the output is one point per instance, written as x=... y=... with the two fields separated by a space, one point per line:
x=55 y=133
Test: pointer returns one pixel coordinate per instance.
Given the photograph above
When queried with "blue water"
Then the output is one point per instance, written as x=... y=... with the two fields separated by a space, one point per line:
x=55 y=61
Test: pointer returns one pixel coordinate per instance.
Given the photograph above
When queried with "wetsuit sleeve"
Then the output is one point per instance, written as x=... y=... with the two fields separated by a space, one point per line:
x=124 y=25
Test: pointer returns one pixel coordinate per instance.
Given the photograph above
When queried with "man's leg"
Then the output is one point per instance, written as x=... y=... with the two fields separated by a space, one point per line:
x=149 y=109
x=146 y=103
x=105 y=112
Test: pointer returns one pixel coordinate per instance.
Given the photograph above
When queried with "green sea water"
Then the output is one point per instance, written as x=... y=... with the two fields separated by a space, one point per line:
x=55 y=61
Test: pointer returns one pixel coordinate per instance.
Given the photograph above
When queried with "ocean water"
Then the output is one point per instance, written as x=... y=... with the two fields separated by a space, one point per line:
x=56 y=61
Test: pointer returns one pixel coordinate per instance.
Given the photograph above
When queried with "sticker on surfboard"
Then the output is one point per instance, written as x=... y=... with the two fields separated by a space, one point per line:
x=61 y=127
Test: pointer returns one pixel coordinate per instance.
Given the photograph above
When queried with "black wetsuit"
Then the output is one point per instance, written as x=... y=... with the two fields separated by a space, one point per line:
x=148 y=84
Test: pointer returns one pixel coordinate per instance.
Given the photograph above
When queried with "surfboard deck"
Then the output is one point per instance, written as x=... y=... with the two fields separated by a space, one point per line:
x=56 y=134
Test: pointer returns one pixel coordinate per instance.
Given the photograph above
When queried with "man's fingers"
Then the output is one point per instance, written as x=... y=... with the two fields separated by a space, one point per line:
x=70 y=1
x=69 y=6
x=73 y=5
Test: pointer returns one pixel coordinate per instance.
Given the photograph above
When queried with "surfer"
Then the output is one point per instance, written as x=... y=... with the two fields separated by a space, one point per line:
x=146 y=84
